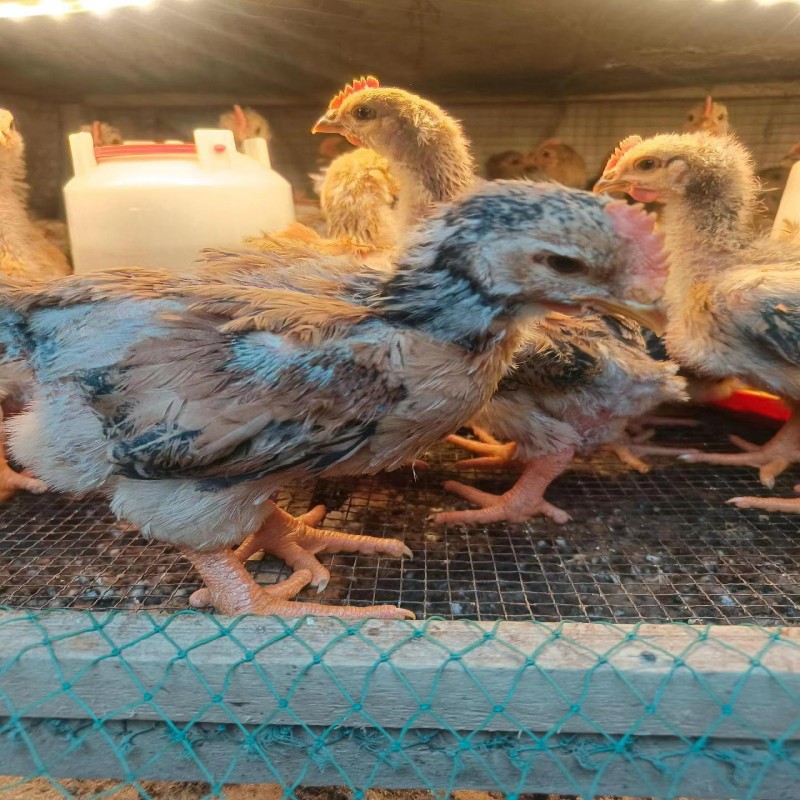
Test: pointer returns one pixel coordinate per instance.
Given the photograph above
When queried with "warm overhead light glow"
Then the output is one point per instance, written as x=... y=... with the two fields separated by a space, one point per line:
x=59 y=8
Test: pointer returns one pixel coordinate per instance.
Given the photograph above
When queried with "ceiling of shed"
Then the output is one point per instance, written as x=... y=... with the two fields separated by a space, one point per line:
x=299 y=51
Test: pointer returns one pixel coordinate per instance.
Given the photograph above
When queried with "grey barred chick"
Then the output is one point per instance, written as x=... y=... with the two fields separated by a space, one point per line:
x=577 y=383
x=732 y=297
x=191 y=399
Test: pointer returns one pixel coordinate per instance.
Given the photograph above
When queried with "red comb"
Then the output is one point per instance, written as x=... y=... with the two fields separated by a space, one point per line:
x=638 y=228
x=707 y=109
x=370 y=82
x=239 y=116
x=622 y=148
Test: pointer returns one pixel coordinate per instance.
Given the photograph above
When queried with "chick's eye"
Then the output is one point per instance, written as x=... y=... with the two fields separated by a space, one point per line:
x=721 y=116
x=646 y=164
x=364 y=113
x=564 y=265
x=691 y=118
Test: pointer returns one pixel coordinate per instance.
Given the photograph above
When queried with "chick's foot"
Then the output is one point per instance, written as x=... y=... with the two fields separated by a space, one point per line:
x=12 y=482
x=771 y=459
x=492 y=454
x=525 y=499
x=232 y=591
x=297 y=541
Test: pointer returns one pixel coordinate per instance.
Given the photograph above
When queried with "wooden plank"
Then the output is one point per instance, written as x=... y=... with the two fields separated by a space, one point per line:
x=587 y=765
x=651 y=680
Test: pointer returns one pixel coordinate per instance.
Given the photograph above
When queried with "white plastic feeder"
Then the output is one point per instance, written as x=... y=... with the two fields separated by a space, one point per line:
x=149 y=204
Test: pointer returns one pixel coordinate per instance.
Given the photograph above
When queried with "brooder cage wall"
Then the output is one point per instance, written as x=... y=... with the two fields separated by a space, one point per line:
x=766 y=122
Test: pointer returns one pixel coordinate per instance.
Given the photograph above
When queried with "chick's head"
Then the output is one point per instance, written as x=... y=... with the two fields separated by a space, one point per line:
x=707 y=116
x=540 y=244
x=245 y=124
x=561 y=163
x=681 y=168
x=393 y=122
x=509 y=164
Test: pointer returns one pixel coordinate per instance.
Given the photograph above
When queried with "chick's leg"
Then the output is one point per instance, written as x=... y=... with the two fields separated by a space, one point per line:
x=11 y=482
x=771 y=459
x=232 y=590
x=525 y=499
x=296 y=541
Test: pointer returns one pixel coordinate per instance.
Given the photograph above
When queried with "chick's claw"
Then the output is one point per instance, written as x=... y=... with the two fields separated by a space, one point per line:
x=297 y=541
x=784 y=505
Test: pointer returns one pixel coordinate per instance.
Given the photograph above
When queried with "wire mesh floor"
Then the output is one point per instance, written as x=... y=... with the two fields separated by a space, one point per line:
x=657 y=547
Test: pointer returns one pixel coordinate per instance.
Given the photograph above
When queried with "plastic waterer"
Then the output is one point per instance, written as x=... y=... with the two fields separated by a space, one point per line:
x=156 y=205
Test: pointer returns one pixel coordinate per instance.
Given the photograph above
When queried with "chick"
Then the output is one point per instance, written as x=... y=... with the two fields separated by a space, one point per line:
x=732 y=298
x=444 y=155
x=103 y=134
x=427 y=149
x=245 y=124
x=24 y=253
x=190 y=399
x=508 y=165
x=707 y=116
x=358 y=196
x=578 y=382
x=560 y=162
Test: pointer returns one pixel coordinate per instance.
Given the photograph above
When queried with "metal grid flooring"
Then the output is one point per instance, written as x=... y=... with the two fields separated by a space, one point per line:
x=657 y=547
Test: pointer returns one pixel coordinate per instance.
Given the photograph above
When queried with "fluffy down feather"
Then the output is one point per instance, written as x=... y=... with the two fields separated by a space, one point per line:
x=207 y=392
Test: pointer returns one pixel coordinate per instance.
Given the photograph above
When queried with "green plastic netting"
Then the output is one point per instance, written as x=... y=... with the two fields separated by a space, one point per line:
x=661 y=711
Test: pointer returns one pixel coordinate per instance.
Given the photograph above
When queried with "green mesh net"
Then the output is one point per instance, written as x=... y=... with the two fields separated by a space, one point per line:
x=659 y=711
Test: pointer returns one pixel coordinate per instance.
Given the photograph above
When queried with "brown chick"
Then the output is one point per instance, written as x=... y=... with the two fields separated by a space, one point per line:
x=508 y=165
x=358 y=196
x=190 y=399
x=245 y=124
x=732 y=298
x=707 y=116
x=103 y=134
x=560 y=162
x=427 y=149
x=441 y=155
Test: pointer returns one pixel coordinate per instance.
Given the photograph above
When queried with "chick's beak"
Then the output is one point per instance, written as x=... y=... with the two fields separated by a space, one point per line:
x=610 y=183
x=327 y=124
x=650 y=316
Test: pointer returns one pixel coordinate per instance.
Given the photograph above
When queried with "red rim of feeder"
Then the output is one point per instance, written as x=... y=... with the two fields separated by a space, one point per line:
x=750 y=401
x=155 y=150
